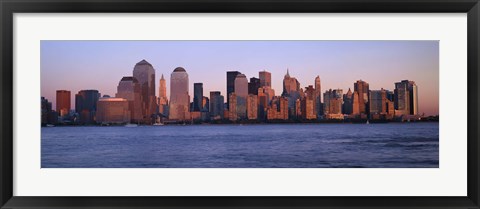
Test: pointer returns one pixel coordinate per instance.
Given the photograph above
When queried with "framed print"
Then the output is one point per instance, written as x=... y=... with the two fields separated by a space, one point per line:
x=266 y=104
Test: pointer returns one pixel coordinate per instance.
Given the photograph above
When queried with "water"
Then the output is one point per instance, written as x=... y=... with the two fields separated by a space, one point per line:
x=392 y=145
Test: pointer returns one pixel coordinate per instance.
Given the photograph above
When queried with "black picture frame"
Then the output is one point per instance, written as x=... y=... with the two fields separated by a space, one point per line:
x=9 y=7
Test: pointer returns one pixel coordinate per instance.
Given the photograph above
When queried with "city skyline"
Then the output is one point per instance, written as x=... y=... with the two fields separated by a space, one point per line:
x=390 y=55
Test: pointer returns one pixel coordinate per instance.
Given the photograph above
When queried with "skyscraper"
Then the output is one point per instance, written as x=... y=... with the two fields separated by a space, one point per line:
x=241 y=91
x=179 y=97
x=232 y=109
x=162 y=97
x=63 y=102
x=197 y=96
x=216 y=105
x=308 y=104
x=252 y=107
x=86 y=105
x=291 y=90
x=406 y=98
x=348 y=102
x=378 y=102
x=145 y=75
x=362 y=88
x=318 y=97
x=333 y=100
x=231 y=75
x=265 y=78
x=128 y=88
x=253 y=86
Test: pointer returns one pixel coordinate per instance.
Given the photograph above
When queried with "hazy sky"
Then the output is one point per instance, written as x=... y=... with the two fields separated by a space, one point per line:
x=78 y=65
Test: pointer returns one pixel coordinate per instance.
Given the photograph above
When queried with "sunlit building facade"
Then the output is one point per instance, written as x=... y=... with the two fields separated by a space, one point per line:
x=179 y=97
x=112 y=110
x=63 y=102
x=231 y=76
x=144 y=73
x=252 y=107
x=162 y=97
x=241 y=91
x=363 y=90
x=128 y=88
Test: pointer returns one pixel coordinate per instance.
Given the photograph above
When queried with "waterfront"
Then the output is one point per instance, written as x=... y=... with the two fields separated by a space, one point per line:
x=389 y=145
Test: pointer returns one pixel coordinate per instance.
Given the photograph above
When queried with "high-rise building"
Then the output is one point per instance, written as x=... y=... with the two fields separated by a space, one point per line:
x=308 y=104
x=86 y=105
x=253 y=86
x=252 y=107
x=291 y=90
x=318 y=96
x=265 y=78
x=145 y=75
x=197 y=96
x=232 y=109
x=128 y=88
x=63 y=102
x=362 y=88
x=231 y=75
x=162 y=97
x=205 y=104
x=348 y=102
x=112 y=110
x=406 y=98
x=216 y=105
x=179 y=97
x=378 y=102
x=333 y=101
x=241 y=90
x=49 y=116
x=355 y=104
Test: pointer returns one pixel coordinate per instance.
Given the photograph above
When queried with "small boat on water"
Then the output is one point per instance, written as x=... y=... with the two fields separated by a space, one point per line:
x=50 y=125
x=368 y=122
x=131 y=125
x=158 y=124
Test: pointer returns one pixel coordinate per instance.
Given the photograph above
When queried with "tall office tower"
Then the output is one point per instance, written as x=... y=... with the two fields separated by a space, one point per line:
x=283 y=108
x=265 y=78
x=318 y=96
x=390 y=95
x=253 y=86
x=179 y=97
x=129 y=89
x=291 y=90
x=232 y=109
x=406 y=97
x=413 y=89
x=145 y=75
x=112 y=110
x=205 y=104
x=86 y=105
x=333 y=101
x=63 y=102
x=252 y=107
x=378 y=102
x=355 y=104
x=348 y=102
x=46 y=112
x=308 y=104
x=231 y=75
x=241 y=90
x=216 y=105
x=162 y=97
x=362 y=88
x=197 y=96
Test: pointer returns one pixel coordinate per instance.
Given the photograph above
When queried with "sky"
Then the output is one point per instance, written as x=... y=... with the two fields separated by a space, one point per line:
x=80 y=65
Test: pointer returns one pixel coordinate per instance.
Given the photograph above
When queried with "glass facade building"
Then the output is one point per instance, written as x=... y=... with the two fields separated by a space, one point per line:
x=179 y=97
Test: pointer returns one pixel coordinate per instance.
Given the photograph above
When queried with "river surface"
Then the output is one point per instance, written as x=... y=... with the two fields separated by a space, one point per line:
x=389 y=145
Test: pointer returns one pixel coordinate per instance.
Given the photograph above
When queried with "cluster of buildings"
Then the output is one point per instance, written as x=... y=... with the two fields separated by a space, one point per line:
x=251 y=99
